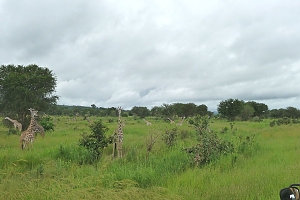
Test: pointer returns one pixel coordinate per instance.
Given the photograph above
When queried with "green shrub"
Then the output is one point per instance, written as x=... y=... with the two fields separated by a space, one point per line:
x=96 y=141
x=170 y=137
x=47 y=123
x=256 y=119
x=246 y=142
x=209 y=146
x=13 y=131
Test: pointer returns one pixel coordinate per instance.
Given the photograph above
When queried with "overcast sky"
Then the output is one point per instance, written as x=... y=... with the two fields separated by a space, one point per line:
x=146 y=53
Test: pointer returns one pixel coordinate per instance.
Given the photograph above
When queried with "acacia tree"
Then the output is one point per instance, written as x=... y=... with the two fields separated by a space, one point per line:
x=260 y=109
x=24 y=87
x=230 y=108
x=140 y=111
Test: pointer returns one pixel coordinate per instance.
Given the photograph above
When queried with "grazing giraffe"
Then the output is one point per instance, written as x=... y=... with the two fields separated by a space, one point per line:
x=28 y=135
x=17 y=124
x=118 y=136
x=148 y=123
x=181 y=121
x=171 y=121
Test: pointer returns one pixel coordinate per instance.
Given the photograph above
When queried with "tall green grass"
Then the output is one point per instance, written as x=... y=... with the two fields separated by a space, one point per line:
x=56 y=167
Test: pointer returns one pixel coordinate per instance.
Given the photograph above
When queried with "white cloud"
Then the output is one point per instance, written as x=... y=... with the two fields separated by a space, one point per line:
x=146 y=53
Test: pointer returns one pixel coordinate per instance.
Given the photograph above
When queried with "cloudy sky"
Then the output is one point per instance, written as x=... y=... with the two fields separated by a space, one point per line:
x=149 y=52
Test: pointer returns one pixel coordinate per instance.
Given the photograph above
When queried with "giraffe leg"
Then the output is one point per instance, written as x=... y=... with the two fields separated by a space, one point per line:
x=119 y=148
x=113 y=153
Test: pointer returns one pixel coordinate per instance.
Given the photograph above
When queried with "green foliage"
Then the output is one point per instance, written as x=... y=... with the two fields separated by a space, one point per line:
x=13 y=131
x=256 y=119
x=142 y=112
x=58 y=168
x=77 y=154
x=230 y=108
x=247 y=112
x=224 y=130
x=24 y=87
x=170 y=137
x=201 y=124
x=47 y=123
x=283 y=121
x=209 y=146
x=260 y=109
x=96 y=141
x=184 y=134
x=245 y=143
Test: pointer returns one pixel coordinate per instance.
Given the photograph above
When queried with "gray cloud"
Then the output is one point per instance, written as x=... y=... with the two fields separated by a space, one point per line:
x=146 y=53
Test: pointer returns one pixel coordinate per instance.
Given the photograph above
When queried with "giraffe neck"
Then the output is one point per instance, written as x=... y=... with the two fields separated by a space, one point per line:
x=120 y=122
x=120 y=131
x=9 y=119
x=32 y=123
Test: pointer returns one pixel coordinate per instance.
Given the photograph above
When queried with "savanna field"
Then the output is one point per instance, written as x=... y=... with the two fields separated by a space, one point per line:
x=58 y=168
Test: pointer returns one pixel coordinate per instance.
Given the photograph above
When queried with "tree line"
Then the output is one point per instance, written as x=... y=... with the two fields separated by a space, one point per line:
x=231 y=109
x=32 y=86
x=166 y=110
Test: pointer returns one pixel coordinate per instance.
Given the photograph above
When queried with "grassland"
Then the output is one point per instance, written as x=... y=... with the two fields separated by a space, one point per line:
x=55 y=168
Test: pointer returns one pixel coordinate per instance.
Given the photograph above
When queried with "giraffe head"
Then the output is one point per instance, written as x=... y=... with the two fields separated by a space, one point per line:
x=119 y=110
x=33 y=112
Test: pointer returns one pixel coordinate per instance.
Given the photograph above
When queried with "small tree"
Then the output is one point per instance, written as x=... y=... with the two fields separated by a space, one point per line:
x=209 y=146
x=96 y=141
x=230 y=108
x=24 y=87
x=47 y=123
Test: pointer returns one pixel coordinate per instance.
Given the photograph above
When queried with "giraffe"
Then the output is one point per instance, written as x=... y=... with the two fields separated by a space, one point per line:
x=28 y=135
x=180 y=123
x=171 y=121
x=17 y=124
x=36 y=128
x=118 y=136
x=148 y=123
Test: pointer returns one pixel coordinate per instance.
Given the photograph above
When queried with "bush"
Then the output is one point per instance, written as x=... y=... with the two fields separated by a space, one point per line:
x=96 y=141
x=170 y=137
x=13 y=131
x=209 y=147
x=256 y=119
x=47 y=123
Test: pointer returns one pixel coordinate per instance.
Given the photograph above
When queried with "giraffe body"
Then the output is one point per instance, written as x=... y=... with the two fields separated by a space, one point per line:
x=26 y=138
x=38 y=129
x=118 y=136
x=17 y=124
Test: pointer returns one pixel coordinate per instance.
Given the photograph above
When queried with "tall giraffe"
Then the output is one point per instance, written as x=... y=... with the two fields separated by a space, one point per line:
x=181 y=121
x=118 y=136
x=17 y=124
x=28 y=135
